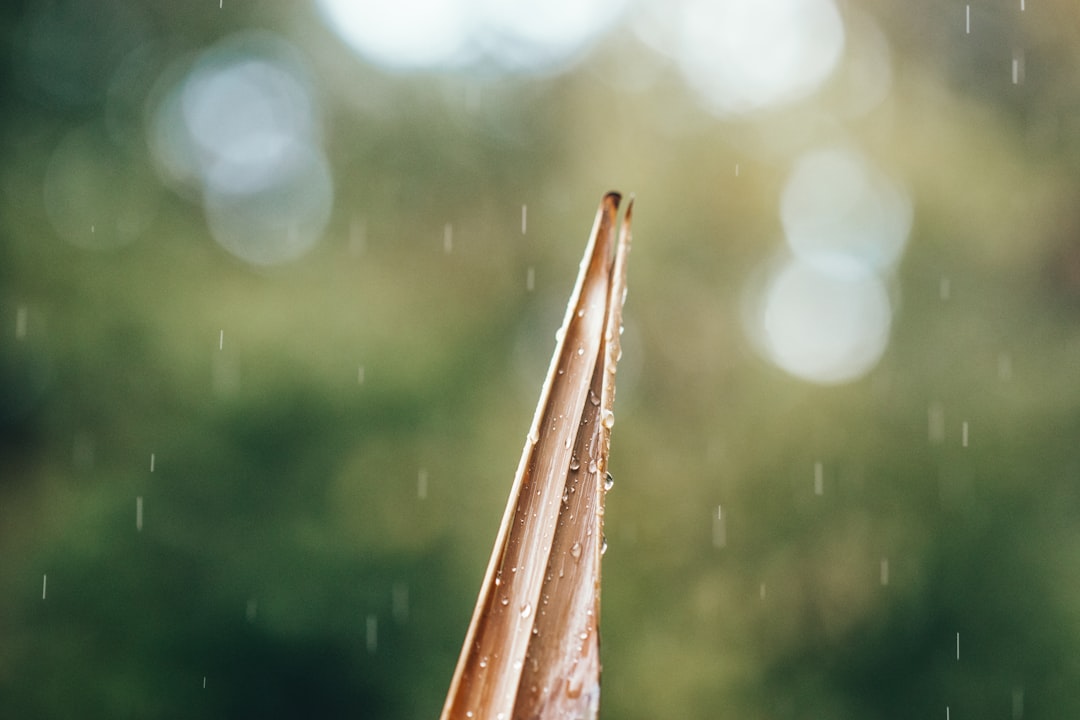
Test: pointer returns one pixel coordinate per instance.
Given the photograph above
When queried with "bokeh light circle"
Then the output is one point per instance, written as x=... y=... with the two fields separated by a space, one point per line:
x=835 y=203
x=281 y=222
x=240 y=129
x=505 y=35
x=66 y=52
x=249 y=118
x=97 y=196
x=743 y=56
x=827 y=325
x=524 y=36
x=404 y=34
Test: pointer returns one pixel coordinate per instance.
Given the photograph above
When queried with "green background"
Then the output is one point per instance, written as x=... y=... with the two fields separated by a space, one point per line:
x=287 y=565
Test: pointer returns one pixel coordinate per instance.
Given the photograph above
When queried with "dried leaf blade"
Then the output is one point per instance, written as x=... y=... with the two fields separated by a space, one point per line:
x=532 y=648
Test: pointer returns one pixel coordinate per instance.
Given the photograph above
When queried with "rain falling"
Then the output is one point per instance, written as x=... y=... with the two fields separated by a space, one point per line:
x=278 y=290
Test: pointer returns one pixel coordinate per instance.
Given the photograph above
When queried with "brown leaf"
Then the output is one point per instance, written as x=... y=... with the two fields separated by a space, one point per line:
x=532 y=649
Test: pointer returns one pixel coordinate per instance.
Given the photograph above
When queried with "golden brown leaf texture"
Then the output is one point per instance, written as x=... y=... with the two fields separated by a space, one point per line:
x=533 y=647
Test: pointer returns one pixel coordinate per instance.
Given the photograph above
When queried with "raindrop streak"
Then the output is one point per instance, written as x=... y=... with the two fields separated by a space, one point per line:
x=421 y=484
x=372 y=628
x=819 y=479
x=360 y=375
x=44 y=584
x=761 y=592
x=967 y=29
x=884 y=571
x=736 y=169
x=957 y=646
x=944 y=288
x=1018 y=703
x=151 y=462
x=448 y=238
x=138 y=513
x=524 y=211
x=221 y=340
x=204 y=682
x=964 y=434
x=530 y=278
x=719 y=528
x=20 y=322
x=1018 y=67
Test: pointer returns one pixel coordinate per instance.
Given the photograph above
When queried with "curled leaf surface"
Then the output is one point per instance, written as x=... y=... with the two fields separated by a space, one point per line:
x=532 y=649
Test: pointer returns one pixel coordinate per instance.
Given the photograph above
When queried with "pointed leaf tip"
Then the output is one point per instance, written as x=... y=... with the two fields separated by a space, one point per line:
x=532 y=647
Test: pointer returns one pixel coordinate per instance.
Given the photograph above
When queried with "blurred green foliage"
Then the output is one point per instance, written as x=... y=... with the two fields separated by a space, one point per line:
x=333 y=438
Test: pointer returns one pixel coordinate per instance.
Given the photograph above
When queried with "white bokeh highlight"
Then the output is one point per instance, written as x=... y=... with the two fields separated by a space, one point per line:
x=826 y=325
x=240 y=130
x=528 y=36
x=835 y=204
x=281 y=222
x=823 y=312
x=405 y=34
x=251 y=121
x=504 y=35
x=743 y=56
